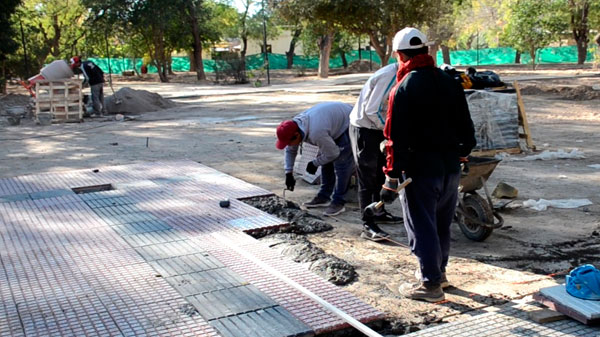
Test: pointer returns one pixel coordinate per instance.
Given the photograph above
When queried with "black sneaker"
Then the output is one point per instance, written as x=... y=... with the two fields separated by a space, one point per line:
x=334 y=209
x=387 y=218
x=316 y=202
x=373 y=232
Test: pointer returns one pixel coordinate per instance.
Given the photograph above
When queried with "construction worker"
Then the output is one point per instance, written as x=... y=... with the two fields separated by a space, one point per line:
x=94 y=76
x=367 y=120
x=429 y=132
x=325 y=125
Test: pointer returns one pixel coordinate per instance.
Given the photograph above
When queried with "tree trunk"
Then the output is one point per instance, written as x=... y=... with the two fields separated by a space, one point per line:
x=383 y=51
x=446 y=54
x=197 y=44
x=169 y=64
x=433 y=49
x=290 y=53
x=192 y=60
x=242 y=77
x=579 y=26
x=3 y=78
x=55 y=46
x=532 y=54
x=518 y=57
x=160 y=57
x=344 y=60
x=324 y=42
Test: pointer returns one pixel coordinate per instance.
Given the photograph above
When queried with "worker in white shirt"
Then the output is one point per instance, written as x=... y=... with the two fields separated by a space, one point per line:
x=367 y=120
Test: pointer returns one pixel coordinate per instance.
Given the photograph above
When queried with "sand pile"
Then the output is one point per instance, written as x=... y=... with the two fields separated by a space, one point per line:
x=136 y=101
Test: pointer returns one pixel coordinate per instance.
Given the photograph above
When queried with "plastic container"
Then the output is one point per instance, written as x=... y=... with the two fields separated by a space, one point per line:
x=57 y=70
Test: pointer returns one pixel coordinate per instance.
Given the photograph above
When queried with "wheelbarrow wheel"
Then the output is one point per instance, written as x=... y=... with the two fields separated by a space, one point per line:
x=476 y=207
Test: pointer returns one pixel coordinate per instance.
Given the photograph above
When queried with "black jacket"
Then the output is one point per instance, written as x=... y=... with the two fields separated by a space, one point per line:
x=431 y=126
x=93 y=74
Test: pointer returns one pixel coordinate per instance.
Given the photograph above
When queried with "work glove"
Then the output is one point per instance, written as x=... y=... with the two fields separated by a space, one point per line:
x=311 y=168
x=290 y=182
x=389 y=190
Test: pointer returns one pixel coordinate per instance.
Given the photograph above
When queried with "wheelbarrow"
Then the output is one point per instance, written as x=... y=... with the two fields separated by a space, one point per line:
x=475 y=215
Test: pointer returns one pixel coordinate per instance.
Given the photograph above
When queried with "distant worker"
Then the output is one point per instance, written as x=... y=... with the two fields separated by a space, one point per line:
x=325 y=125
x=597 y=59
x=94 y=76
x=367 y=120
x=429 y=132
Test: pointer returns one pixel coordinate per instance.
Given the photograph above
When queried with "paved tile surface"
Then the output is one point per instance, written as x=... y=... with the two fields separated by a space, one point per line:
x=510 y=320
x=131 y=250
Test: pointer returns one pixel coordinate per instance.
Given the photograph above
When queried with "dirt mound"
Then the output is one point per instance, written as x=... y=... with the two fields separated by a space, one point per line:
x=362 y=66
x=136 y=101
x=301 y=250
x=575 y=92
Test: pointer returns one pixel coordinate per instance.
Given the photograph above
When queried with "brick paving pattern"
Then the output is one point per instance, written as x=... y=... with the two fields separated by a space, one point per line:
x=510 y=320
x=142 y=258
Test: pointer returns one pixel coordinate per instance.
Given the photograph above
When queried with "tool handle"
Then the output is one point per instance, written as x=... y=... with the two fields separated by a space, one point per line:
x=404 y=184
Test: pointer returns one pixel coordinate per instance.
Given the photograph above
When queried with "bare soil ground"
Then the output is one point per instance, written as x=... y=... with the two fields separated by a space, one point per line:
x=236 y=134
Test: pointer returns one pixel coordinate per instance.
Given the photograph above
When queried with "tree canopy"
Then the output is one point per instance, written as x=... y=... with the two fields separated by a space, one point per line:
x=34 y=33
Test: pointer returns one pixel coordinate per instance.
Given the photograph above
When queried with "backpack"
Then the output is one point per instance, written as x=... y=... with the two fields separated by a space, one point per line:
x=584 y=282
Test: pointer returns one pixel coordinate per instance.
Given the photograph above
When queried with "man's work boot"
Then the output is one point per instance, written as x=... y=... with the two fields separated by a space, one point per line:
x=423 y=292
x=444 y=283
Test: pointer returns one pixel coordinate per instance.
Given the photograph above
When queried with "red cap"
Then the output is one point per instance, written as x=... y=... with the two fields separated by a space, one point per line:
x=285 y=132
x=75 y=61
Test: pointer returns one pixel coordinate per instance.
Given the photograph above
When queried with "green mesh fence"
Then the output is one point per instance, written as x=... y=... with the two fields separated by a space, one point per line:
x=489 y=56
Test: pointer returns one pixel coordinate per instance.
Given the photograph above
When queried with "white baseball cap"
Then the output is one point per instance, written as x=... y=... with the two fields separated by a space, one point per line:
x=409 y=38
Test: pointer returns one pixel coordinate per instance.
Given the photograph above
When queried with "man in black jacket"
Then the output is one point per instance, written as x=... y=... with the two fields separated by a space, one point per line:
x=429 y=131
x=94 y=76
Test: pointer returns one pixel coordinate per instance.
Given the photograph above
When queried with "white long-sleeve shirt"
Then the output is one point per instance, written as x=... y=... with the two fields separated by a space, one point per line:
x=320 y=125
x=371 y=107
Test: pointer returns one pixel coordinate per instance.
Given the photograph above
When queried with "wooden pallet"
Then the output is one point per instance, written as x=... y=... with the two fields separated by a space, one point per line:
x=61 y=98
x=523 y=123
x=557 y=299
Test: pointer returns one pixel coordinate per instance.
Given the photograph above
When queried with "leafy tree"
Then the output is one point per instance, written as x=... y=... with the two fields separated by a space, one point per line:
x=196 y=16
x=579 y=12
x=318 y=16
x=52 y=28
x=533 y=24
x=479 y=23
x=441 y=27
x=7 y=43
x=381 y=19
x=343 y=42
x=283 y=17
x=156 y=22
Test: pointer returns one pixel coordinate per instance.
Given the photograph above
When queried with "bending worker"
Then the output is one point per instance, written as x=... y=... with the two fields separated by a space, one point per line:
x=94 y=76
x=325 y=125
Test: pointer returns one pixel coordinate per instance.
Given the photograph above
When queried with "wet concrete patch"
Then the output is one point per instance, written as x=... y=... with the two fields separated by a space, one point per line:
x=301 y=222
x=301 y=250
x=291 y=241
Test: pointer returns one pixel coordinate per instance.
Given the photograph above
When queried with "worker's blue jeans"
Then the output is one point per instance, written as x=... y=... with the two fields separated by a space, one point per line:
x=335 y=176
x=429 y=204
